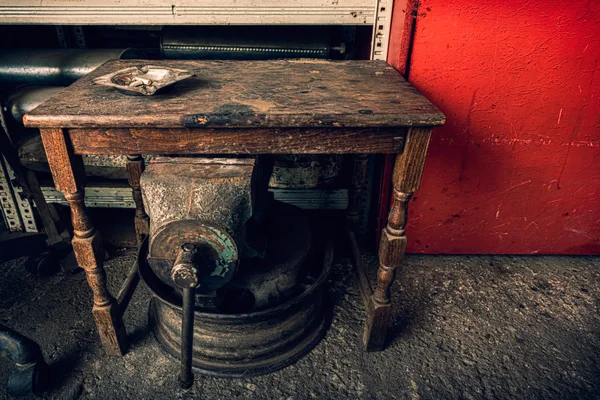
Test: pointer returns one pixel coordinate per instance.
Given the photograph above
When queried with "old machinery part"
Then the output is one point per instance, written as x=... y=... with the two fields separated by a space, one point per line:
x=31 y=372
x=186 y=376
x=216 y=191
x=16 y=206
x=198 y=208
x=237 y=337
x=185 y=275
x=217 y=248
x=26 y=98
x=54 y=67
x=248 y=42
x=306 y=171
x=238 y=284
x=185 y=270
x=381 y=30
x=8 y=205
x=41 y=260
x=270 y=280
x=159 y=12
x=202 y=201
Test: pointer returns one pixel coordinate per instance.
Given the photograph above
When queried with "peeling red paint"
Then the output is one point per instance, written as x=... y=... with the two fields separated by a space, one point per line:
x=516 y=168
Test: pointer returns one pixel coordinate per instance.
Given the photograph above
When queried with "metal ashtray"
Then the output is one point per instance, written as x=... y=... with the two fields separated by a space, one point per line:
x=143 y=81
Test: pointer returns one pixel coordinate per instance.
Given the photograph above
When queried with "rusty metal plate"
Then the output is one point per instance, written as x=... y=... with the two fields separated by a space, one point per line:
x=215 y=245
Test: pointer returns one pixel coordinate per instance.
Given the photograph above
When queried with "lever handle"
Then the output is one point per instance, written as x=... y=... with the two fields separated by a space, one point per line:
x=185 y=275
x=186 y=376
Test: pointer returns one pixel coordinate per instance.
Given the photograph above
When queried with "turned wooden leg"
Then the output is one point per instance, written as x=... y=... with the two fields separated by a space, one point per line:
x=135 y=167
x=408 y=169
x=67 y=171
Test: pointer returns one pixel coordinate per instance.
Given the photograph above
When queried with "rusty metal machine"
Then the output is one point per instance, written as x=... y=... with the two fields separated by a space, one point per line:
x=238 y=281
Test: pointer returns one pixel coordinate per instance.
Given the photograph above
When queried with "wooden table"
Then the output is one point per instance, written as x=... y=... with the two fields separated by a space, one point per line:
x=238 y=107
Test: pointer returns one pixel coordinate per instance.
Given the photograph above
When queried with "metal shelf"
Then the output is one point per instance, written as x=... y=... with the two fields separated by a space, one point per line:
x=119 y=196
x=188 y=12
x=377 y=13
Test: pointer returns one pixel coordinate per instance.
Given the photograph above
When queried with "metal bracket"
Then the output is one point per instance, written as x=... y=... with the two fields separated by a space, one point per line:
x=80 y=42
x=381 y=29
x=23 y=203
x=7 y=201
x=120 y=197
x=62 y=38
x=18 y=207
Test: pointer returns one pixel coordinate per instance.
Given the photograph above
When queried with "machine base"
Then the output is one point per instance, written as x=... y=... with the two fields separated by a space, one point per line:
x=285 y=341
x=250 y=343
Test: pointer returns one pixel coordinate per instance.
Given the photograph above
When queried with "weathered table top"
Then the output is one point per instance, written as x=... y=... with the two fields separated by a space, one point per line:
x=247 y=94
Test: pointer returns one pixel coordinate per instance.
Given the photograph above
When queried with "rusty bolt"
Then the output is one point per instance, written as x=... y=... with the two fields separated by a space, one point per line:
x=184 y=276
x=188 y=247
x=184 y=272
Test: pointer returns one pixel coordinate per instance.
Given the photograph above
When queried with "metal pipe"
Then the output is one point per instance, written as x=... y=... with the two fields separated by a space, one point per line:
x=26 y=98
x=185 y=273
x=245 y=42
x=30 y=372
x=18 y=348
x=54 y=66
x=186 y=377
x=128 y=288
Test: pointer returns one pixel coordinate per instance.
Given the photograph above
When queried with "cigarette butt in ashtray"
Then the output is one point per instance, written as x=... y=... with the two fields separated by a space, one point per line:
x=137 y=81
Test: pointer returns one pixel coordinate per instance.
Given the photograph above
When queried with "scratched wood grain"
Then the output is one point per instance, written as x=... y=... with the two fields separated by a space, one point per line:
x=230 y=94
x=236 y=141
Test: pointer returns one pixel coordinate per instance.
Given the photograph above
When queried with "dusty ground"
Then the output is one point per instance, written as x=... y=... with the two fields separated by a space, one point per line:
x=465 y=328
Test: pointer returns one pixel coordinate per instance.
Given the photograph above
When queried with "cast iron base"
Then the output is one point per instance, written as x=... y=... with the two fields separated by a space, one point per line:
x=250 y=343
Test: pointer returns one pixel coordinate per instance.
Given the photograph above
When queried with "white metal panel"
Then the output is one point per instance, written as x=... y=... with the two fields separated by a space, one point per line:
x=8 y=206
x=187 y=12
x=23 y=203
x=381 y=29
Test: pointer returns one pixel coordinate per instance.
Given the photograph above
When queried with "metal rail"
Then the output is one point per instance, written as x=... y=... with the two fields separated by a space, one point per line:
x=188 y=12
x=8 y=206
x=121 y=197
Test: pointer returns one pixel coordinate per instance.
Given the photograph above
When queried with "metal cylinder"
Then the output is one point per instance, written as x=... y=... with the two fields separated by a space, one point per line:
x=54 y=67
x=244 y=42
x=246 y=344
x=186 y=376
x=232 y=340
x=304 y=171
x=30 y=372
x=26 y=98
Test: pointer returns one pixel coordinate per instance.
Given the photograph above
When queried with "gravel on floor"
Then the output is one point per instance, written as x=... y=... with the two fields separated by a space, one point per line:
x=464 y=327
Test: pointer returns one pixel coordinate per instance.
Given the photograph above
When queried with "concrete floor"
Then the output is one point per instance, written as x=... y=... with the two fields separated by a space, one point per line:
x=465 y=327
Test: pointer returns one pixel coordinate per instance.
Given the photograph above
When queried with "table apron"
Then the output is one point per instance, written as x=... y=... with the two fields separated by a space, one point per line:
x=237 y=141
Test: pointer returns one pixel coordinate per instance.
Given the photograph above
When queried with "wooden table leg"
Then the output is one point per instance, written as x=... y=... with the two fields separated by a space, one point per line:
x=69 y=176
x=135 y=167
x=408 y=169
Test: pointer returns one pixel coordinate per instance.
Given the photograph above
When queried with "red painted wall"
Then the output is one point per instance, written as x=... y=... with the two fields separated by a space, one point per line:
x=516 y=168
